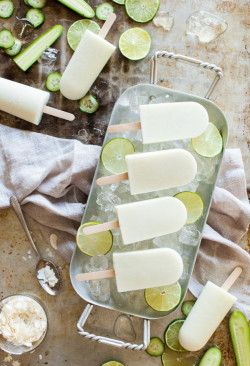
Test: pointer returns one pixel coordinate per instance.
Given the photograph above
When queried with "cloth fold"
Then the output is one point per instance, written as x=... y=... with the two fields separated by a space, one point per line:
x=51 y=178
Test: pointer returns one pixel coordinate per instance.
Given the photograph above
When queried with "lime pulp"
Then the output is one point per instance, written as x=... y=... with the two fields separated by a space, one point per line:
x=171 y=335
x=209 y=144
x=141 y=11
x=163 y=298
x=113 y=155
x=172 y=358
x=77 y=30
x=194 y=205
x=135 y=43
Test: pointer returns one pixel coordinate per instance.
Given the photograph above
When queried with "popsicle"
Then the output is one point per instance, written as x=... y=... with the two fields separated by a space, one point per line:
x=167 y=122
x=157 y=170
x=145 y=219
x=91 y=55
x=207 y=313
x=27 y=103
x=141 y=269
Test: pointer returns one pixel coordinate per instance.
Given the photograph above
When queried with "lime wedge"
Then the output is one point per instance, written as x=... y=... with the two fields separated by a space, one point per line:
x=194 y=205
x=209 y=144
x=141 y=11
x=172 y=358
x=77 y=30
x=163 y=298
x=112 y=363
x=113 y=155
x=135 y=43
x=120 y=2
x=171 y=335
x=94 y=244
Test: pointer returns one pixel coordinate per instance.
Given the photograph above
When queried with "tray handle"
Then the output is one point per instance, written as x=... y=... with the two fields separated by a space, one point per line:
x=110 y=341
x=193 y=61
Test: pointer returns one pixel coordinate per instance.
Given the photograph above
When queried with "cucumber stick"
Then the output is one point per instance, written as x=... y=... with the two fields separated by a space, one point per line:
x=240 y=336
x=212 y=357
x=32 y=53
x=80 y=7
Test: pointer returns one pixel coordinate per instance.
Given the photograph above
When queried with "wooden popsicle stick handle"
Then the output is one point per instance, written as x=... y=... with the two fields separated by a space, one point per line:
x=232 y=278
x=107 y=25
x=94 y=229
x=58 y=113
x=103 y=181
x=132 y=126
x=95 y=275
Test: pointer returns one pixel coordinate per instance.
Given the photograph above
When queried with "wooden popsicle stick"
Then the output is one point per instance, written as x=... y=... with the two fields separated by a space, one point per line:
x=232 y=278
x=58 y=113
x=133 y=126
x=103 y=181
x=107 y=25
x=101 y=227
x=95 y=275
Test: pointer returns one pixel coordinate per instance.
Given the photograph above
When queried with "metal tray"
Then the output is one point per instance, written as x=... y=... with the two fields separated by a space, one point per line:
x=126 y=110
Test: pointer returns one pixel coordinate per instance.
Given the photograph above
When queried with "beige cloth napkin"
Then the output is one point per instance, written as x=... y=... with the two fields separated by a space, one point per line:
x=52 y=177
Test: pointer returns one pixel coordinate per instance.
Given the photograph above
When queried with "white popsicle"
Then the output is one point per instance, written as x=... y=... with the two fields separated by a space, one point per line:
x=146 y=268
x=151 y=218
x=167 y=122
x=91 y=55
x=207 y=313
x=26 y=102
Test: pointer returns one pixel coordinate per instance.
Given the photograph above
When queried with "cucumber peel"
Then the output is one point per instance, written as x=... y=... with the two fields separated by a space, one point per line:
x=31 y=54
x=80 y=7
x=212 y=357
x=240 y=336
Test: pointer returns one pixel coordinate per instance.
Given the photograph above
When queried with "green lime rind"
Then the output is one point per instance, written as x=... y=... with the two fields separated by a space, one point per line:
x=173 y=358
x=156 y=347
x=77 y=30
x=210 y=143
x=94 y=244
x=135 y=44
x=112 y=363
x=141 y=11
x=171 y=335
x=194 y=205
x=113 y=155
x=163 y=298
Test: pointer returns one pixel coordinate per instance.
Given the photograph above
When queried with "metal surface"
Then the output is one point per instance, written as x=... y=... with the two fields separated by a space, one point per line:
x=111 y=341
x=41 y=262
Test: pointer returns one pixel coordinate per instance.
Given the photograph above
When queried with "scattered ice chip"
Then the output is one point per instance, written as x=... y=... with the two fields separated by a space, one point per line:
x=189 y=235
x=24 y=258
x=107 y=201
x=205 y=26
x=40 y=357
x=49 y=56
x=47 y=275
x=164 y=20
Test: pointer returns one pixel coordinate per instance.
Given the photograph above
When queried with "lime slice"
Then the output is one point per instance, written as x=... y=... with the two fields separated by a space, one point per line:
x=77 y=30
x=209 y=144
x=141 y=11
x=120 y=2
x=163 y=298
x=171 y=335
x=172 y=358
x=135 y=43
x=194 y=205
x=94 y=244
x=113 y=155
x=112 y=363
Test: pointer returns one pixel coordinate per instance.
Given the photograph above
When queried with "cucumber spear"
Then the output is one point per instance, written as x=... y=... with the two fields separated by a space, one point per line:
x=240 y=336
x=80 y=7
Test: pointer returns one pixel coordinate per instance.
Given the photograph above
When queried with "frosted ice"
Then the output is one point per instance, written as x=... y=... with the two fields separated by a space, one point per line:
x=107 y=200
x=100 y=289
x=99 y=262
x=164 y=20
x=205 y=26
x=189 y=235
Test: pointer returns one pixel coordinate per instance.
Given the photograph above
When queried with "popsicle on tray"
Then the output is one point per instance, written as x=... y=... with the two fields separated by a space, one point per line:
x=145 y=219
x=207 y=313
x=157 y=170
x=141 y=269
x=167 y=122
x=91 y=55
x=26 y=102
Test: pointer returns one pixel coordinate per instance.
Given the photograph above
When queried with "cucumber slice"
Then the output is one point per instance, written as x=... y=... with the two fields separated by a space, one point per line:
x=240 y=336
x=103 y=10
x=88 y=104
x=53 y=81
x=212 y=357
x=32 y=53
x=14 y=50
x=6 y=8
x=6 y=39
x=156 y=347
x=187 y=307
x=37 y=4
x=35 y=16
x=80 y=7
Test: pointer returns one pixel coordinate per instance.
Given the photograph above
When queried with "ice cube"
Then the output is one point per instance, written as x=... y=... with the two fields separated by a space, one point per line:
x=49 y=56
x=107 y=200
x=164 y=20
x=189 y=235
x=98 y=262
x=100 y=289
x=205 y=26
